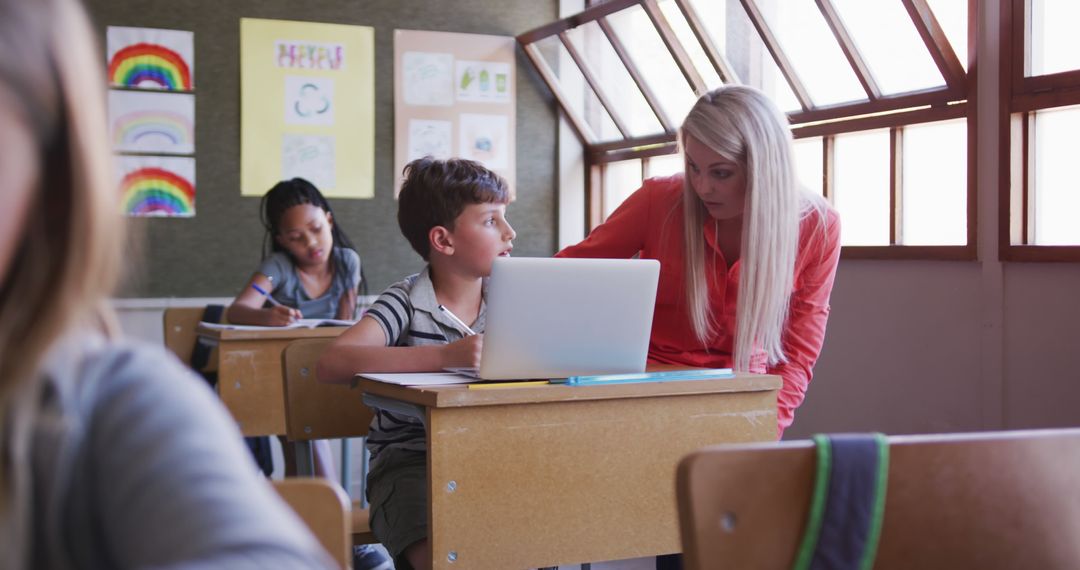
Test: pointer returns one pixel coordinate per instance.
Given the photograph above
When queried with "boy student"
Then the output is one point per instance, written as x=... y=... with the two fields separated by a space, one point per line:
x=453 y=212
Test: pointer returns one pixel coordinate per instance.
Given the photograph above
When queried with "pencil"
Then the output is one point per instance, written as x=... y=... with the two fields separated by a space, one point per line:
x=486 y=385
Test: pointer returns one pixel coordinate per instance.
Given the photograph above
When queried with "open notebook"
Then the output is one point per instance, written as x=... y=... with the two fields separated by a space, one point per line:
x=300 y=324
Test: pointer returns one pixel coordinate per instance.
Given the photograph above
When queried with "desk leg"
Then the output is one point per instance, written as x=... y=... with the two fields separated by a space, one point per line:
x=305 y=458
x=346 y=464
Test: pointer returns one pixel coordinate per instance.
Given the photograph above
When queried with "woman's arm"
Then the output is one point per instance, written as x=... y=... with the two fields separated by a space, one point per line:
x=807 y=316
x=246 y=308
x=622 y=234
x=363 y=348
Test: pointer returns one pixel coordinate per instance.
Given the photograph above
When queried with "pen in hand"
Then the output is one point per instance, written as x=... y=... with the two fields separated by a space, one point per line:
x=456 y=320
x=272 y=300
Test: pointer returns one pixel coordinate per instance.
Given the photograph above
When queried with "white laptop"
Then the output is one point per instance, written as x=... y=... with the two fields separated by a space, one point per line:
x=555 y=318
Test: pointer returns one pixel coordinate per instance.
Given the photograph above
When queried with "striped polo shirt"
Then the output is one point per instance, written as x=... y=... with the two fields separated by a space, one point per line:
x=409 y=315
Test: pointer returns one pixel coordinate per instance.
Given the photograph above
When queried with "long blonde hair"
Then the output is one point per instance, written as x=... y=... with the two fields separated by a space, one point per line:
x=742 y=125
x=69 y=253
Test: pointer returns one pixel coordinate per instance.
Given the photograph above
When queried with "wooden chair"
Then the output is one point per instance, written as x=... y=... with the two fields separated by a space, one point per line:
x=180 y=323
x=325 y=508
x=314 y=410
x=180 y=335
x=992 y=501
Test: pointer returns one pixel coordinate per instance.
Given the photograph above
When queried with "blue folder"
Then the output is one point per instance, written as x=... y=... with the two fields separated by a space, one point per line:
x=661 y=376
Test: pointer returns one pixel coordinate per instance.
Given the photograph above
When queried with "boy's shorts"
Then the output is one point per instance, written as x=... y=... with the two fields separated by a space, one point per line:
x=397 y=492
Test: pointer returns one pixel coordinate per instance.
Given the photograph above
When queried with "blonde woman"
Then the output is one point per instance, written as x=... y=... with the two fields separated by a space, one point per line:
x=747 y=258
x=112 y=455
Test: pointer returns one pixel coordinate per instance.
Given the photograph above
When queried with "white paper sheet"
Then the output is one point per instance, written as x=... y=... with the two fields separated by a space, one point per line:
x=419 y=378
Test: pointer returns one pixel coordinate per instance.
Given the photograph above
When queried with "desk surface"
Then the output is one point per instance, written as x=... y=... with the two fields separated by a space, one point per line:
x=268 y=333
x=543 y=475
x=459 y=395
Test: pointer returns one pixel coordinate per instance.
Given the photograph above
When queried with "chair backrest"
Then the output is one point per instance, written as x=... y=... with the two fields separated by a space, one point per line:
x=996 y=500
x=180 y=323
x=316 y=410
x=325 y=508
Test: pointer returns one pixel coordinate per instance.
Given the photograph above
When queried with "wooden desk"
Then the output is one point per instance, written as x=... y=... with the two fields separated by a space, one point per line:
x=249 y=373
x=537 y=476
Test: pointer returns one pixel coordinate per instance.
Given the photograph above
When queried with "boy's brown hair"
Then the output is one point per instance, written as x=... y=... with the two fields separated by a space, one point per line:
x=435 y=192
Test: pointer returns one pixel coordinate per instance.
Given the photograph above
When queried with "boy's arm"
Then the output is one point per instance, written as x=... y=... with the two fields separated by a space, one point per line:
x=246 y=308
x=363 y=348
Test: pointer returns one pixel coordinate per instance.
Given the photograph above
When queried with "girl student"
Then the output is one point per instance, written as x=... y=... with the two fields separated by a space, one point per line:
x=112 y=453
x=311 y=269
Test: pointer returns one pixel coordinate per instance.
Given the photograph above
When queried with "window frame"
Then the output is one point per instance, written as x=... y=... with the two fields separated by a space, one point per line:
x=955 y=99
x=1020 y=97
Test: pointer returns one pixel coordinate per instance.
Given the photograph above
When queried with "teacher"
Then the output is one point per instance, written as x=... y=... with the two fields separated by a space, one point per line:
x=747 y=257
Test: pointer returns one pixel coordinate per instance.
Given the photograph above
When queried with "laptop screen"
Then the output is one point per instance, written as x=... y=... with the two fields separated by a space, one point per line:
x=554 y=318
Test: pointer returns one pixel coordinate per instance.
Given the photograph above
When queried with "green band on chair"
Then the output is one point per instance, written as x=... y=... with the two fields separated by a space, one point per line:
x=879 y=502
x=817 y=503
x=848 y=503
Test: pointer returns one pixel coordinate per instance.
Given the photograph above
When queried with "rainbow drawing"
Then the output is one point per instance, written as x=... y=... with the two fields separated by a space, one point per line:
x=156 y=191
x=154 y=131
x=143 y=63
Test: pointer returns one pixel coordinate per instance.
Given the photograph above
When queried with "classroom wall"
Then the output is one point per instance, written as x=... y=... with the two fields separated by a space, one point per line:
x=213 y=254
x=901 y=352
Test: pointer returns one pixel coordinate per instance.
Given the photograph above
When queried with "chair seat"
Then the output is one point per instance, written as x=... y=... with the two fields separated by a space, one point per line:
x=361 y=526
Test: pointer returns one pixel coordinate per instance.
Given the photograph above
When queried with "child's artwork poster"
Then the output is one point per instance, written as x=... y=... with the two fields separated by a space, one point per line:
x=454 y=96
x=146 y=122
x=149 y=58
x=307 y=94
x=157 y=186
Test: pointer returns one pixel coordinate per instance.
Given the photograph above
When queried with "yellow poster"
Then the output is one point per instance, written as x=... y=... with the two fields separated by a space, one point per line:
x=307 y=94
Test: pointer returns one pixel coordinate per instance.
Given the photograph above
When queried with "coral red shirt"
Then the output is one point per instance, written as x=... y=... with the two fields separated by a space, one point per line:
x=650 y=221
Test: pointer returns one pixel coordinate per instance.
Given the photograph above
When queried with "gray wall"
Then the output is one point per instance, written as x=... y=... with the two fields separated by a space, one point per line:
x=215 y=252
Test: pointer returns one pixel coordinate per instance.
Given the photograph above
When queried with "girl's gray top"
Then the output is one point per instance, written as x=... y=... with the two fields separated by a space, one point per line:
x=134 y=463
x=289 y=291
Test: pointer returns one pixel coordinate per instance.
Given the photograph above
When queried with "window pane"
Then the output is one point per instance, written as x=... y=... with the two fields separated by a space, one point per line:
x=652 y=58
x=1057 y=184
x=620 y=180
x=953 y=16
x=935 y=184
x=861 y=181
x=580 y=97
x=664 y=165
x=755 y=65
x=809 y=164
x=890 y=44
x=690 y=42
x=625 y=96
x=1052 y=37
x=713 y=16
x=806 y=40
